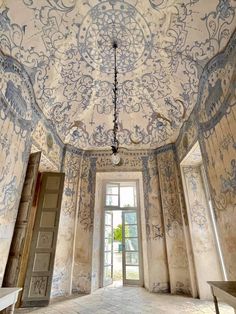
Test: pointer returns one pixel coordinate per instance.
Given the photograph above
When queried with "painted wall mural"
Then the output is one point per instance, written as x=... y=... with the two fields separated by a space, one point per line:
x=45 y=140
x=146 y=162
x=207 y=263
x=214 y=128
x=163 y=47
x=16 y=100
x=173 y=223
x=84 y=230
x=61 y=283
x=72 y=93
x=21 y=123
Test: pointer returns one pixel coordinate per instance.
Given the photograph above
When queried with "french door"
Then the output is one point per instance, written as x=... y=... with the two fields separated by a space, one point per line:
x=131 y=249
x=108 y=249
x=117 y=196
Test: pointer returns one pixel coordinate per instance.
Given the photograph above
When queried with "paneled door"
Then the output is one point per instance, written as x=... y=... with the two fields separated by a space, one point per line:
x=108 y=249
x=132 y=270
x=38 y=281
x=19 y=251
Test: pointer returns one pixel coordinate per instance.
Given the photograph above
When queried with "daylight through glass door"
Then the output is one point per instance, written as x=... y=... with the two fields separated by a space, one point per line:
x=122 y=258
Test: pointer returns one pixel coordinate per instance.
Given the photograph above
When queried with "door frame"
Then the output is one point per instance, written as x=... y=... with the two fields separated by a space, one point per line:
x=102 y=233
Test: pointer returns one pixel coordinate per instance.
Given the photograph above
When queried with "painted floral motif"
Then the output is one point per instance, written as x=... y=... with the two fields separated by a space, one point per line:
x=229 y=184
x=109 y=21
x=70 y=64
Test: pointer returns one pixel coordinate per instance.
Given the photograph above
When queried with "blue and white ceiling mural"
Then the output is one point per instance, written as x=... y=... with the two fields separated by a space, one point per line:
x=163 y=45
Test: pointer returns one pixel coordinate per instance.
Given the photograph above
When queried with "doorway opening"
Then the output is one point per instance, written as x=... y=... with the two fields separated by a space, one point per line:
x=208 y=264
x=121 y=258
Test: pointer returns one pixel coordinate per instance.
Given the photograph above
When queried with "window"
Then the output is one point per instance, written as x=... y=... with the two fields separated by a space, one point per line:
x=121 y=195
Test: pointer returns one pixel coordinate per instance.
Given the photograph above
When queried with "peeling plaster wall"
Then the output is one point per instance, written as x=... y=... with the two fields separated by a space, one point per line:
x=213 y=124
x=173 y=223
x=203 y=243
x=156 y=246
x=21 y=124
x=16 y=98
x=62 y=275
x=84 y=228
x=13 y=160
x=45 y=140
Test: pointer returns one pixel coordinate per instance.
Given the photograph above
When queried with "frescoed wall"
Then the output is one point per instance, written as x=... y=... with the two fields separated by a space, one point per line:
x=23 y=130
x=45 y=139
x=82 y=271
x=62 y=276
x=21 y=124
x=213 y=124
x=74 y=100
x=173 y=223
x=206 y=258
x=146 y=162
x=16 y=102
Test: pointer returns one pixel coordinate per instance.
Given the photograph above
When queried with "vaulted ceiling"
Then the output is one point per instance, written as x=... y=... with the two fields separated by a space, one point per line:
x=163 y=45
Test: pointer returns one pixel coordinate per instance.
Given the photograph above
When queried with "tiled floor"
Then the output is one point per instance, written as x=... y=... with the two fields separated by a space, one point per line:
x=127 y=300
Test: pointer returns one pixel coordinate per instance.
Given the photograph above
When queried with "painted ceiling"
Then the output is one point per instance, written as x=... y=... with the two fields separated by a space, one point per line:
x=163 y=45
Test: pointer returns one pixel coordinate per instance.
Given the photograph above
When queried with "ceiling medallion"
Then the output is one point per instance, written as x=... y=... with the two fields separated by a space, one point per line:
x=115 y=157
x=122 y=21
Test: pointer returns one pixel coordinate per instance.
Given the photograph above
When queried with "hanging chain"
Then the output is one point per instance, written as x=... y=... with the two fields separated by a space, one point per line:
x=115 y=145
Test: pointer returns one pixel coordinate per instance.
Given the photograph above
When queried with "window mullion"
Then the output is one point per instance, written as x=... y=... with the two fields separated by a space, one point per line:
x=119 y=195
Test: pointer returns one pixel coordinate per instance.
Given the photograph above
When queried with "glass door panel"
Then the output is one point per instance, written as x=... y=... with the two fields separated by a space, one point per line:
x=131 y=248
x=112 y=195
x=108 y=249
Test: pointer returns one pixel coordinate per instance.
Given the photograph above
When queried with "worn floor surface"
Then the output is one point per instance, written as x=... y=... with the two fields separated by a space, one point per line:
x=127 y=300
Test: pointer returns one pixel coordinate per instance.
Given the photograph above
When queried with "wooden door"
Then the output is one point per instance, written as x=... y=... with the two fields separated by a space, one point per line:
x=38 y=281
x=19 y=251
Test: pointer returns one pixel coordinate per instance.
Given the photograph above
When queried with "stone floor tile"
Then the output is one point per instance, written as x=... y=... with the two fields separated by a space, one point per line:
x=127 y=300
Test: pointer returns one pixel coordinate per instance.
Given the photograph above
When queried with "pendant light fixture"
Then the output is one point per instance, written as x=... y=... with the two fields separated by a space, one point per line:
x=115 y=157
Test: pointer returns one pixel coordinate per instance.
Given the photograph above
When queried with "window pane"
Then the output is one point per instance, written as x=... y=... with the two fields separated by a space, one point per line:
x=131 y=244
x=131 y=231
x=127 y=196
x=112 y=189
x=132 y=272
x=108 y=244
x=111 y=200
x=132 y=258
x=107 y=258
x=130 y=218
x=107 y=274
x=108 y=233
x=108 y=218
